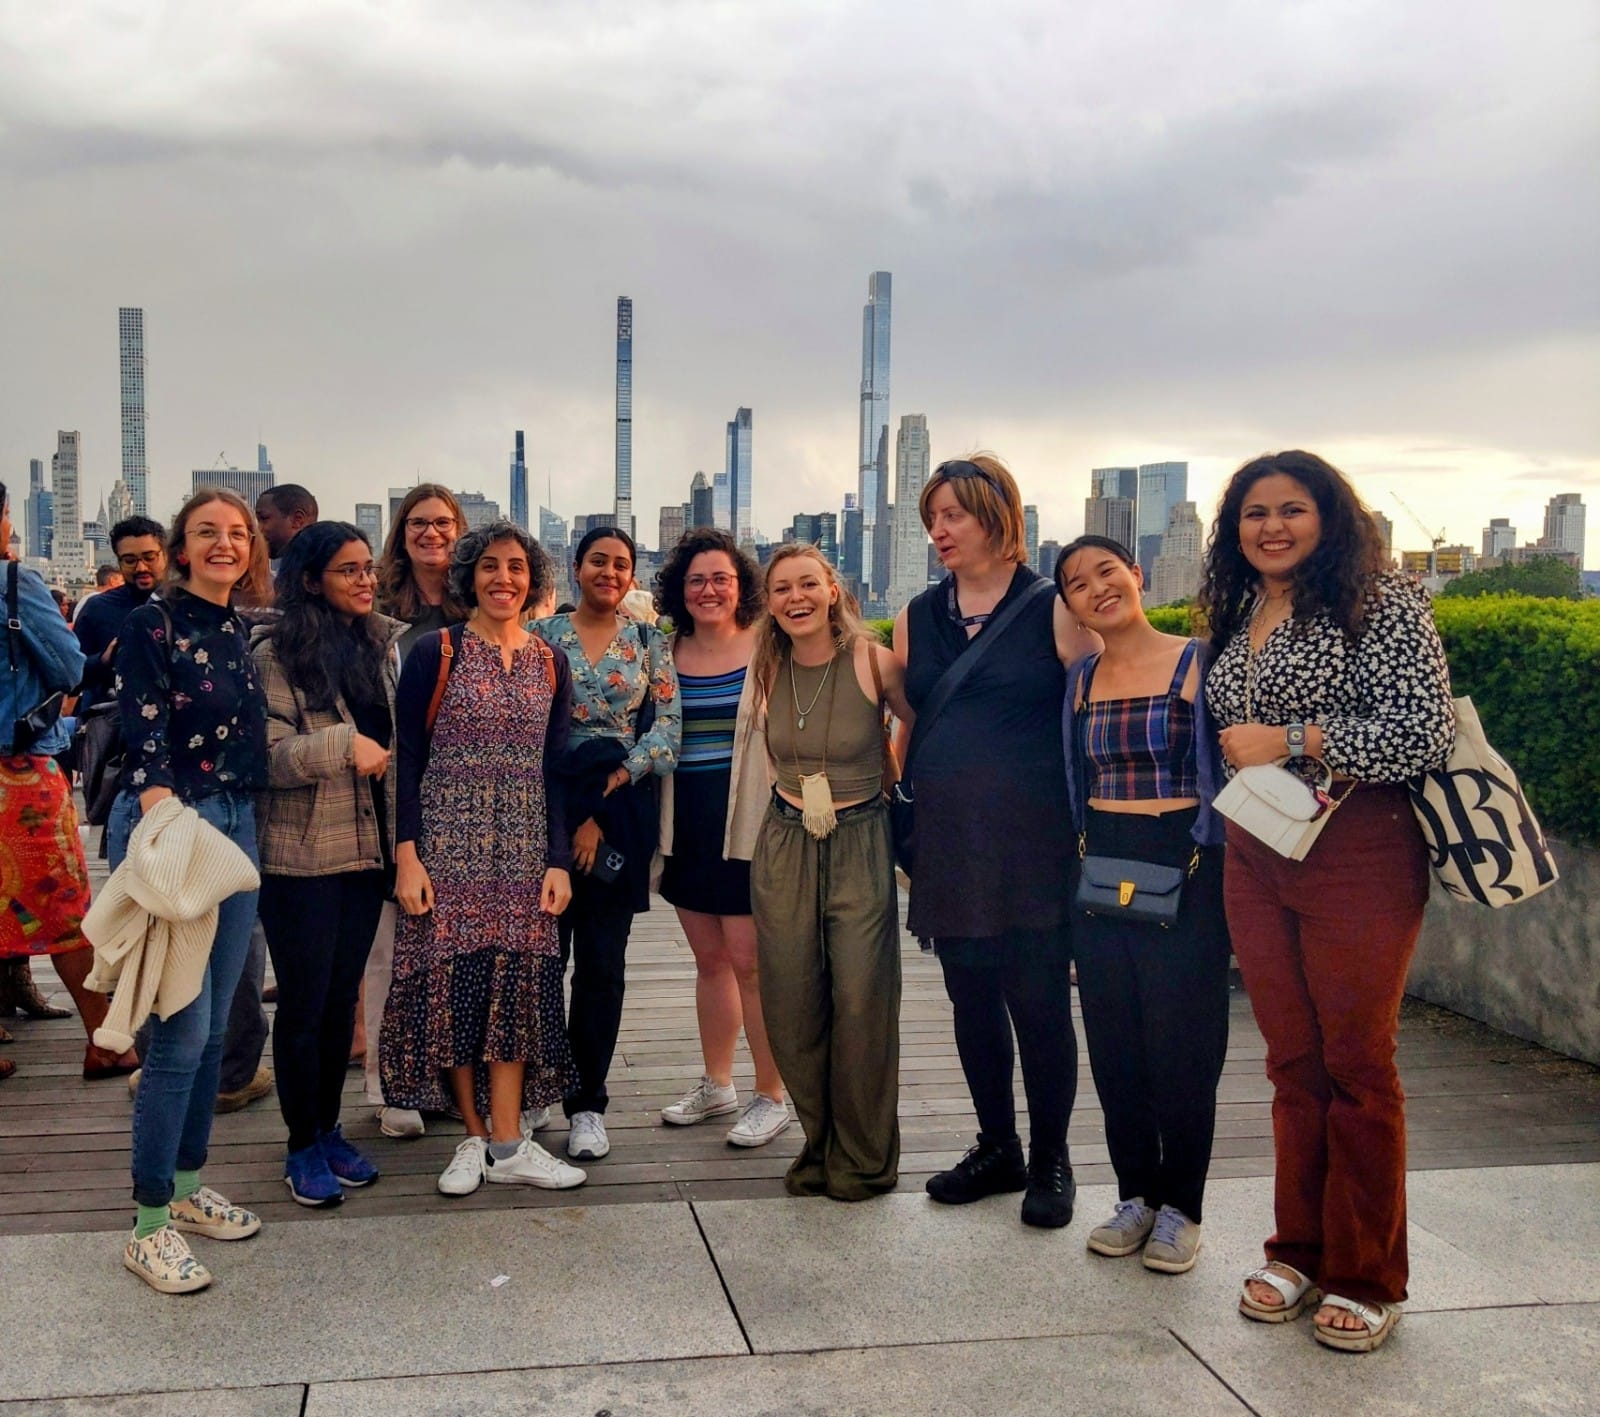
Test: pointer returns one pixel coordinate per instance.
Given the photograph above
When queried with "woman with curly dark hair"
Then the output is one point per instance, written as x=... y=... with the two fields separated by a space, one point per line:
x=329 y=668
x=1324 y=655
x=711 y=810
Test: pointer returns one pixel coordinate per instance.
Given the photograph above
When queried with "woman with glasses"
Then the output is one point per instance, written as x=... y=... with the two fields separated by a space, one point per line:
x=625 y=735
x=414 y=587
x=711 y=809
x=329 y=668
x=194 y=720
x=994 y=841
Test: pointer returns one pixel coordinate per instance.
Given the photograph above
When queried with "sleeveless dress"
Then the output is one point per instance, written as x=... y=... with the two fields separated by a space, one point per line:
x=695 y=876
x=478 y=978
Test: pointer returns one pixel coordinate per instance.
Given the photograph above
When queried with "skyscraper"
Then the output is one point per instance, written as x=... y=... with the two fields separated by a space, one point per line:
x=35 y=522
x=519 y=485
x=263 y=462
x=1111 y=517
x=874 y=484
x=701 y=511
x=819 y=529
x=909 y=556
x=624 y=511
x=1498 y=537
x=369 y=518
x=119 y=505
x=67 y=544
x=671 y=527
x=130 y=348
x=721 y=505
x=248 y=483
x=1162 y=485
x=1030 y=533
x=739 y=475
x=1180 y=565
x=850 y=540
x=1114 y=482
x=477 y=509
x=1563 y=524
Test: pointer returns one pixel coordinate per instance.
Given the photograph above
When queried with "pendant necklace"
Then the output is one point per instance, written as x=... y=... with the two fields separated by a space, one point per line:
x=800 y=713
x=817 y=812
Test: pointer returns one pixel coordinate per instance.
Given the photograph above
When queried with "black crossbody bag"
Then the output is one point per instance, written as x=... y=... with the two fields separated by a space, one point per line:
x=902 y=800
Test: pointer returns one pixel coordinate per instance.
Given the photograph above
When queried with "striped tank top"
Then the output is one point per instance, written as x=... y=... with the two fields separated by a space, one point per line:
x=710 y=706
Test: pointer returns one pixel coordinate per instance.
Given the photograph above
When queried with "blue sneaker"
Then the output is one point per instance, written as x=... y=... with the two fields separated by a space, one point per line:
x=308 y=1178
x=348 y=1164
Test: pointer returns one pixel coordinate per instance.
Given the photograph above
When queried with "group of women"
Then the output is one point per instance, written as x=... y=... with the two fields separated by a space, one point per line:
x=427 y=735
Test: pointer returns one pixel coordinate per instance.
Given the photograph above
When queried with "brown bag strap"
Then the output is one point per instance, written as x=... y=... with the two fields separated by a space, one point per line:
x=446 y=654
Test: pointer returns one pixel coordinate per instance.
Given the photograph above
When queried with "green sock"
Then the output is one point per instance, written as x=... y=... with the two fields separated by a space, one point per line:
x=185 y=1184
x=151 y=1218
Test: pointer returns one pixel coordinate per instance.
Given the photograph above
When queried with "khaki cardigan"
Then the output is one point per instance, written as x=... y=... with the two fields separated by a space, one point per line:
x=317 y=819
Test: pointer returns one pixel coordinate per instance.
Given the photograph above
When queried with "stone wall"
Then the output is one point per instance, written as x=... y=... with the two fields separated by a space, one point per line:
x=1531 y=969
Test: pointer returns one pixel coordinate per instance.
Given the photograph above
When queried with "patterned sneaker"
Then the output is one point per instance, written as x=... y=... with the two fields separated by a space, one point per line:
x=533 y=1166
x=464 y=1174
x=1125 y=1232
x=400 y=1122
x=762 y=1120
x=587 y=1139
x=348 y=1164
x=1174 y=1243
x=207 y=1213
x=164 y=1262
x=310 y=1180
x=708 y=1099
x=534 y=1119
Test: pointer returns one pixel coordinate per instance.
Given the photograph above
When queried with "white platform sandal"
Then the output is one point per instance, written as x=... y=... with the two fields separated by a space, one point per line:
x=1380 y=1320
x=1297 y=1294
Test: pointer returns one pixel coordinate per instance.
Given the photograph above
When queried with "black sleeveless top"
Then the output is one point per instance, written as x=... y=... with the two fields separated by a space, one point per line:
x=994 y=834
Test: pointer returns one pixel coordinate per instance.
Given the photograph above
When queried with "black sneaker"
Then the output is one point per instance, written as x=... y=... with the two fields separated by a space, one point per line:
x=988 y=1169
x=1051 y=1190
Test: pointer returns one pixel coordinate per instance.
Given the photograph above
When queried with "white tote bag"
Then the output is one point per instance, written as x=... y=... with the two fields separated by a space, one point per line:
x=1484 y=842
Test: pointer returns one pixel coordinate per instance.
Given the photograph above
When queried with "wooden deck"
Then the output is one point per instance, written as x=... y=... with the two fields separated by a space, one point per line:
x=1477 y=1098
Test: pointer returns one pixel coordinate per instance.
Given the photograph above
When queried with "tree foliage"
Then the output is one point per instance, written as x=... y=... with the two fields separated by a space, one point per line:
x=1538 y=575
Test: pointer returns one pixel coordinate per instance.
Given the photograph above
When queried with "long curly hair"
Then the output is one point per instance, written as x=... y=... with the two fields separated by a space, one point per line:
x=772 y=644
x=397 y=585
x=1339 y=578
x=671 y=577
x=321 y=654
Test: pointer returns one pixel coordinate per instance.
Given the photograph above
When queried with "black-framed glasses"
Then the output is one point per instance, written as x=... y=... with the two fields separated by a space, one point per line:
x=960 y=467
x=443 y=525
x=352 y=574
x=133 y=560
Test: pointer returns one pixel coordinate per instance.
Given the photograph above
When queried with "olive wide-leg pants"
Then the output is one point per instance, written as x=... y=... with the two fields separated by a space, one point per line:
x=828 y=946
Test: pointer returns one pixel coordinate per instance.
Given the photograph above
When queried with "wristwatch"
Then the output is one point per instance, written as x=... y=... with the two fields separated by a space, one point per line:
x=1295 y=736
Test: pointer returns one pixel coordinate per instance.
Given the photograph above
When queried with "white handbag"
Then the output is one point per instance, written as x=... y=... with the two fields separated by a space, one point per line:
x=1278 y=808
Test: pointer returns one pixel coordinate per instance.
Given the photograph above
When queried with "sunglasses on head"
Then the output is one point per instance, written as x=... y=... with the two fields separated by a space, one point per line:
x=962 y=468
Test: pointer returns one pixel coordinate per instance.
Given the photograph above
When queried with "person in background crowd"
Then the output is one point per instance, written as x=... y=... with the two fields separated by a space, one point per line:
x=283 y=512
x=1324 y=653
x=137 y=543
x=44 y=886
x=482 y=874
x=625 y=733
x=711 y=810
x=994 y=847
x=822 y=879
x=413 y=586
x=328 y=667
x=106 y=577
x=194 y=719
x=63 y=603
x=1142 y=769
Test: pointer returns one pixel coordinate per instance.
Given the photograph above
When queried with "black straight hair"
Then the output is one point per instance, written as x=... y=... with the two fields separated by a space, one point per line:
x=1090 y=542
x=602 y=533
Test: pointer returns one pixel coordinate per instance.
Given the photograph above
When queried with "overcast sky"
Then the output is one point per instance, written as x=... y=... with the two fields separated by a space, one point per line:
x=380 y=237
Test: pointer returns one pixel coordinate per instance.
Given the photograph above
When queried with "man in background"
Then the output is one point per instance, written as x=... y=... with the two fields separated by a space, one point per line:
x=283 y=512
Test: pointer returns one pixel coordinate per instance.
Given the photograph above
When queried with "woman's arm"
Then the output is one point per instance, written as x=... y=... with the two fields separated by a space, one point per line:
x=47 y=637
x=559 y=852
x=1073 y=641
x=657 y=750
x=298 y=756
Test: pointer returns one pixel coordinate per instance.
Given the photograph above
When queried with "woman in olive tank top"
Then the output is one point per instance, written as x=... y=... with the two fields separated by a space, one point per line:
x=822 y=880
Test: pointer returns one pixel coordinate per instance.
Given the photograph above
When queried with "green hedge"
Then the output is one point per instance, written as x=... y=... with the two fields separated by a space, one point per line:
x=1532 y=667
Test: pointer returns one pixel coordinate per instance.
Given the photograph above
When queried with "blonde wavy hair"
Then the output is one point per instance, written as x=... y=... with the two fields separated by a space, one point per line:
x=772 y=642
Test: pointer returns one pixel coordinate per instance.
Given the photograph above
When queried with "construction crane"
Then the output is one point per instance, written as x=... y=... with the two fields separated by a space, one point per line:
x=1437 y=538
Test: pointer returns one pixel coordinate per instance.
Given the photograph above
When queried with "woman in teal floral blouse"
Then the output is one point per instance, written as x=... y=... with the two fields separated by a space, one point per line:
x=626 y=732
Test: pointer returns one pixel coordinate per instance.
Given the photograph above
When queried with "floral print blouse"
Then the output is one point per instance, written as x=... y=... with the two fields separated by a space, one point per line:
x=194 y=714
x=606 y=695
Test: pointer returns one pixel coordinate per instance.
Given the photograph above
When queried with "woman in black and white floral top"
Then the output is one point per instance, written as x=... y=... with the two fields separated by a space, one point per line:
x=1324 y=653
x=194 y=719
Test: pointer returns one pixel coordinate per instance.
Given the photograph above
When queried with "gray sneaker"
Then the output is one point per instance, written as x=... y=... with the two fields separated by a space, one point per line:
x=1125 y=1232
x=762 y=1120
x=705 y=1099
x=1174 y=1243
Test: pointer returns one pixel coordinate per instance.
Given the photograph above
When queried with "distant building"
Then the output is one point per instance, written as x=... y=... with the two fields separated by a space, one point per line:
x=369 y=519
x=819 y=529
x=119 y=505
x=1114 y=482
x=68 y=550
x=1564 y=524
x=1162 y=485
x=908 y=559
x=876 y=320
x=130 y=352
x=477 y=510
x=1498 y=538
x=1181 y=565
x=397 y=495
x=38 y=518
x=850 y=539
x=739 y=476
x=672 y=526
x=519 y=484
x=1450 y=561
x=1385 y=535
x=624 y=489
x=1030 y=533
x=552 y=531
x=1111 y=517
x=701 y=510
x=247 y=482
x=1045 y=563
x=263 y=462
x=1521 y=555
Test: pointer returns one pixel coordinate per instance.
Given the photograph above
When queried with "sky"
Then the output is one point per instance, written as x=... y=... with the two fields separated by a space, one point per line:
x=381 y=237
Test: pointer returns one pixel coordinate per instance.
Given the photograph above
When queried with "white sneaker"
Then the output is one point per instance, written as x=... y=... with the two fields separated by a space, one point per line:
x=534 y=1166
x=762 y=1120
x=534 y=1119
x=464 y=1174
x=400 y=1122
x=708 y=1099
x=587 y=1140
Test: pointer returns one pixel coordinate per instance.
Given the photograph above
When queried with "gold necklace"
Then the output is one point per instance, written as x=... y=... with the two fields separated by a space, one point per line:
x=800 y=713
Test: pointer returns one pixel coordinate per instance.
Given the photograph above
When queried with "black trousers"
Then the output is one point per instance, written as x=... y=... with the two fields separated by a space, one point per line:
x=1021 y=979
x=594 y=936
x=319 y=930
x=1155 y=1016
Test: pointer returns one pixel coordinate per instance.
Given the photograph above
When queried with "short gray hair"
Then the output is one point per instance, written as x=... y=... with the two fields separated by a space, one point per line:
x=469 y=551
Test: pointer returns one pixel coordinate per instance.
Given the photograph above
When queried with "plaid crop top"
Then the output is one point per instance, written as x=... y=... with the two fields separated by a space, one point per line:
x=1139 y=749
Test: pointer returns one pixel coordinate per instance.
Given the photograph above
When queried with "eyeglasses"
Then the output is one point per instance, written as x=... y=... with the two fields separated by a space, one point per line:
x=143 y=558
x=961 y=468
x=352 y=574
x=443 y=525
x=235 y=536
x=722 y=580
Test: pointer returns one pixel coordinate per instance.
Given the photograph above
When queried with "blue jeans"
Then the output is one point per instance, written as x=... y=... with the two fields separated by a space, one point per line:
x=173 y=1108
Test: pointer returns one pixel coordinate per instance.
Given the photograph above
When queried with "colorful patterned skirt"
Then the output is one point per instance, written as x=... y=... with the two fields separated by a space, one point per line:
x=44 y=882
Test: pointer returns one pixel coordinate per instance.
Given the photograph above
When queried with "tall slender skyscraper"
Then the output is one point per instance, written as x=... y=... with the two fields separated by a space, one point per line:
x=739 y=472
x=67 y=544
x=130 y=346
x=624 y=509
x=909 y=558
x=35 y=522
x=874 y=487
x=1162 y=485
x=519 y=485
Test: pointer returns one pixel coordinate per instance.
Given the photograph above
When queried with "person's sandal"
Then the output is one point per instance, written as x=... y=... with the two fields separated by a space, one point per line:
x=1379 y=1318
x=1298 y=1293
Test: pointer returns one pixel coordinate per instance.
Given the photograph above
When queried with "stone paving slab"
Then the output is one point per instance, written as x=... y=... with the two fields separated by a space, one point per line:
x=240 y=1402
x=369 y=1298
x=1024 y=1378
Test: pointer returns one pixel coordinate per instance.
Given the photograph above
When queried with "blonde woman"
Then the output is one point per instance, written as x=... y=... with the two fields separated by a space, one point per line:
x=822 y=879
